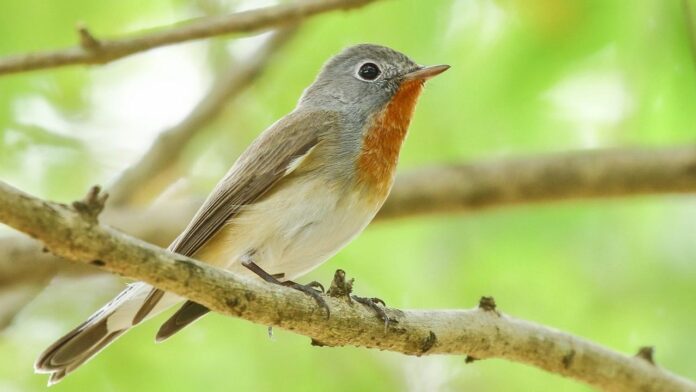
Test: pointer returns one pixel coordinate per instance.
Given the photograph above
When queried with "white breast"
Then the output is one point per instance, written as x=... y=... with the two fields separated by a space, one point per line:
x=292 y=231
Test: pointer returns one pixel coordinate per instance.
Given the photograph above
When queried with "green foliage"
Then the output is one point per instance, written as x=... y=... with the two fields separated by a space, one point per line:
x=527 y=77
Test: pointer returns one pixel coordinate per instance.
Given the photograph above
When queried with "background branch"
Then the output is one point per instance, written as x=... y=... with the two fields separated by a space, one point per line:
x=587 y=174
x=481 y=333
x=100 y=51
x=144 y=180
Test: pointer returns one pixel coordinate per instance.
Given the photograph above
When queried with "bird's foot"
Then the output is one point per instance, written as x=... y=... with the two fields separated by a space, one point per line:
x=374 y=304
x=313 y=289
x=314 y=285
x=340 y=287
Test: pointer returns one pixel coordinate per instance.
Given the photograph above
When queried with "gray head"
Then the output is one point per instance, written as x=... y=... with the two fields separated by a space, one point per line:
x=363 y=78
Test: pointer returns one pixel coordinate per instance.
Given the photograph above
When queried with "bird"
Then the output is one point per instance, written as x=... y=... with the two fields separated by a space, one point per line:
x=304 y=188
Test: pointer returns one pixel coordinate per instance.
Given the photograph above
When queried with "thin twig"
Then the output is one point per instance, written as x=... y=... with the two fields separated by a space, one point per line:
x=100 y=51
x=480 y=333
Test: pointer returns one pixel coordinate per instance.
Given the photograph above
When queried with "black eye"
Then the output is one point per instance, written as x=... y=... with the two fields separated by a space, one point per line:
x=369 y=71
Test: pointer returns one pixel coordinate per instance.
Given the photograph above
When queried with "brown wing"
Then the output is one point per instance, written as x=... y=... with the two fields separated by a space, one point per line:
x=260 y=167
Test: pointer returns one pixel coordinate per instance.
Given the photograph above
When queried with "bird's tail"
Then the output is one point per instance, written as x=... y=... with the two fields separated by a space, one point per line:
x=102 y=328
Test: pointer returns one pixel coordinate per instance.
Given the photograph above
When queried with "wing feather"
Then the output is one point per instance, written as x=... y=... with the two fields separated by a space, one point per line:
x=261 y=166
x=271 y=157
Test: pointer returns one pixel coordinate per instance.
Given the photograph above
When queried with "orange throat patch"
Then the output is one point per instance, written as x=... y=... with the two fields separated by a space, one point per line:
x=383 y=139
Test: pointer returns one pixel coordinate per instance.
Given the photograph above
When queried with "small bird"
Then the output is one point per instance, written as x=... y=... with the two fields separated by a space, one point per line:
x=300 y=192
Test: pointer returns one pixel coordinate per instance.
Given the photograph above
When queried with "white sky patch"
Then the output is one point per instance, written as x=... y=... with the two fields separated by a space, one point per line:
x=592 y=101
x=484 y=17
x=243 y=48
x=131 y=101
x=245 y=5
x=36 y=110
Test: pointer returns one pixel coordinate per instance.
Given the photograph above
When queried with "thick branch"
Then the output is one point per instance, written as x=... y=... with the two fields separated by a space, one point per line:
x=142 y=179
x=23 y=261
x=481 y=333
x=100 y=51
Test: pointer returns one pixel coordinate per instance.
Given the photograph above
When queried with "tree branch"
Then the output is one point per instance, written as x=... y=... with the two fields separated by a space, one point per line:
x=142 y=180
x=576 y=175
x=23 y=261
x=99 y=51
x=480 y=333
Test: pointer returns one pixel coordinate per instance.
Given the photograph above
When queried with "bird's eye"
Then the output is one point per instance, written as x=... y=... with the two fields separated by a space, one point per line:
x=369 y=71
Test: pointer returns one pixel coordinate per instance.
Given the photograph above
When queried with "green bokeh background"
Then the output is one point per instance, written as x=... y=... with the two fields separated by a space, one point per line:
x=528 y=77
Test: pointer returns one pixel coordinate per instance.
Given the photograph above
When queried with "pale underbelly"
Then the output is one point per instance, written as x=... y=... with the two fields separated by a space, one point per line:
x=292 y=231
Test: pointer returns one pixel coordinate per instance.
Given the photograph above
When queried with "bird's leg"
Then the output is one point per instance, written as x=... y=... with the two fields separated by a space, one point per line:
x=309 y=289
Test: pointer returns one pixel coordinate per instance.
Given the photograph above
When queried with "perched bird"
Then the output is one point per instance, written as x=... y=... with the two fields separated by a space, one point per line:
x=301 y=191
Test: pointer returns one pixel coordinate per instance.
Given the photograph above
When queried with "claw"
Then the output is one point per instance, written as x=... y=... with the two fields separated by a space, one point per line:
x=312 y=292
x=313 y=285
x=378 y=301
x=373 y=303
x=316 y=285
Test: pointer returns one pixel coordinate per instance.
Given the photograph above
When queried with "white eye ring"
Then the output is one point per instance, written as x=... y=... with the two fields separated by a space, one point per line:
x=368 y=71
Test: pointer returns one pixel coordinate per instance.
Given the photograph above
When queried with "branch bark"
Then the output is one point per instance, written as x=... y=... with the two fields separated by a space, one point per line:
x=140 y=182
x=99 y=51
x=23 y=261
x=480 y=333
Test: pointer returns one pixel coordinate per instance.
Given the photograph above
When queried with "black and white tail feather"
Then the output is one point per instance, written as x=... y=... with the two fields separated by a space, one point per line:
x=100 y=329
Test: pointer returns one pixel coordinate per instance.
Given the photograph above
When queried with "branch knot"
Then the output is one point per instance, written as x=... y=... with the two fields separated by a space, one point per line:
x=87 y=41
x=340 y=287
x=487 y=304
x=92 y=204
x=646 y=353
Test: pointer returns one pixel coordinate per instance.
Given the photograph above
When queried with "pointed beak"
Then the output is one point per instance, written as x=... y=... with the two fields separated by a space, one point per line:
x=425 y=73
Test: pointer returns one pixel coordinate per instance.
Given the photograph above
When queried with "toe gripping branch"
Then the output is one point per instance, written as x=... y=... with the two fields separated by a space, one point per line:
x=312 y=289
x=340 y=287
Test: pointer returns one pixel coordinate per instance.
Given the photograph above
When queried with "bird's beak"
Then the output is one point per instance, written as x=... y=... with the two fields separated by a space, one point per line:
x=425 y=73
